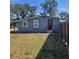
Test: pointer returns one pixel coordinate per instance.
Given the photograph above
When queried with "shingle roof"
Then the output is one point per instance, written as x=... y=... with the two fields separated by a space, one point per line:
x=28 y=18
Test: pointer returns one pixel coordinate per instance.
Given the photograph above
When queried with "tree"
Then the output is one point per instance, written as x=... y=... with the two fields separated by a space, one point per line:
x=64 y=15
x=32 y=11
x=45 y=8
x=19 y=9
x=23 y=10
x=50 y=7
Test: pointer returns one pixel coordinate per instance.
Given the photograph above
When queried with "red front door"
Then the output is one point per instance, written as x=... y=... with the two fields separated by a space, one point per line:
x=50 y=24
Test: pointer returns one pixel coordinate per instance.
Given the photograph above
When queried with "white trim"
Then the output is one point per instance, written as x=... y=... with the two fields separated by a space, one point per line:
x=23 y=24
x=62 y=20
x=35 y=23
x=49 y=31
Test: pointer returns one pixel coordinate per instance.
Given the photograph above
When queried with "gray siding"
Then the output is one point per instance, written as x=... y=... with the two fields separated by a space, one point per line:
x=42 y=26
x=57 y=26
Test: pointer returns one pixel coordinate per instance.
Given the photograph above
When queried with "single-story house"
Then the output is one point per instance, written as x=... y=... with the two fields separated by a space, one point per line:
x=39 y=24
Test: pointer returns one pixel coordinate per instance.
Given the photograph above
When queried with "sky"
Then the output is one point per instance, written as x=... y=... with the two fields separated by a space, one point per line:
x=63 y=5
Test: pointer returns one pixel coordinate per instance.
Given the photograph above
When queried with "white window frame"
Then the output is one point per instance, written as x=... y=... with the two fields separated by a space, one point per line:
x=24 y=24
x=36 y=23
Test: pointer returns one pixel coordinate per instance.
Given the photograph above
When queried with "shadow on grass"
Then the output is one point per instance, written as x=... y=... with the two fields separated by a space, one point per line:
x=53 y=48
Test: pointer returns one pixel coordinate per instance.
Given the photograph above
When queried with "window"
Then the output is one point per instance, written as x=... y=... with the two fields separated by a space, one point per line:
x=35 y=23
x=25 y=24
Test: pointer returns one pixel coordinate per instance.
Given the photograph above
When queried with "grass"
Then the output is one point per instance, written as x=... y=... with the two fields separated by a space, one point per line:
x=26 y=46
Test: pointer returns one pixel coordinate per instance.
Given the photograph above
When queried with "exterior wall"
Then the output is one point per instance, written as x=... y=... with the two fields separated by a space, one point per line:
x=57 y=27
x=43 y=24
x=41 y=28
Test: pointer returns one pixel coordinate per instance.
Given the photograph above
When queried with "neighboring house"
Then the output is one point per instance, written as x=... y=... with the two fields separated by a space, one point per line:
x=13 y=25
x=39 y=24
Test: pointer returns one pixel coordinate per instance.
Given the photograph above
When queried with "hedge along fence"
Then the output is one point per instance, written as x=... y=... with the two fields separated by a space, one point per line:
x=65 y=31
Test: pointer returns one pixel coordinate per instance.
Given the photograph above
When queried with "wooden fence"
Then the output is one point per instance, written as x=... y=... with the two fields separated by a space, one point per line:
x=65 y=32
